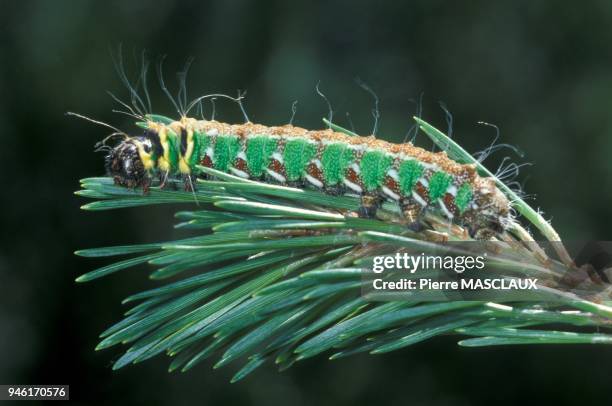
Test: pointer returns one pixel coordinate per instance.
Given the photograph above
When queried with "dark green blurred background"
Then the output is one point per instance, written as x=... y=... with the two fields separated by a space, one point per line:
x=542 y=71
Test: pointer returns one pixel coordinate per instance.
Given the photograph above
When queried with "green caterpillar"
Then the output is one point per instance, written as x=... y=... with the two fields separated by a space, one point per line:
x=331 y=161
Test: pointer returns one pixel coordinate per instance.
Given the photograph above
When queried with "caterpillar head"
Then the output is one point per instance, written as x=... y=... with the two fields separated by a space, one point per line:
x=490 y=213
x=124 y=162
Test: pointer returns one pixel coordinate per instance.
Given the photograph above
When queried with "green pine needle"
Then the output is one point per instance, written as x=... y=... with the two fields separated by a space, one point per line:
x=275 y=276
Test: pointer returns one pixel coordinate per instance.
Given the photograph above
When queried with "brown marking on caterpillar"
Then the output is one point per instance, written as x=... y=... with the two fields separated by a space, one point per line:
x=241 y=165
x=314 y=171
x=449 y=202
x=353 y=177
x=276 y=166
x=392 y=184
x=206 y=161
x=412 y=212
x=422 y=191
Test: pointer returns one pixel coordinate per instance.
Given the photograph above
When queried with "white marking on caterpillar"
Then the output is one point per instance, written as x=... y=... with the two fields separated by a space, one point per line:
x=278 y=157
x=393 y=156
x=276 y=176
x=331 y=142
x=393 y=174
x=210 y=153
x=390 y=193
x=212 y=132
x=445 y=210
x=147 y=143
x=358 y=148
x=452 y=189
x=432 y=167
x=314 y=181
x=356 y=168
x=419 y=199
x=238 y=172
x=352 y=185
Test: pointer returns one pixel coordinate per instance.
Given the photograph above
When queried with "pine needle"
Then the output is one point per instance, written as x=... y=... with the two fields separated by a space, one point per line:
x=273 y=274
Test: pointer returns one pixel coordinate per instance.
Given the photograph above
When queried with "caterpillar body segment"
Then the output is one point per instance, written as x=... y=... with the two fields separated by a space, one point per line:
x=330 y=161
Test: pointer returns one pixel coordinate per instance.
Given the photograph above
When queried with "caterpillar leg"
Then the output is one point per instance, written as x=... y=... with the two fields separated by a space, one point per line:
x=482 y=229
x=163 y=179
x=146 y=184
x=133 y=183
x=298 y=184
x=189 y=181
x=413 y=213
x=337 y=190
x=369 y=206
x=482 y=233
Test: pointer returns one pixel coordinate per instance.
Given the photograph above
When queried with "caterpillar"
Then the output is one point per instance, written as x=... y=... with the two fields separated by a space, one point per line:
x=331 y=161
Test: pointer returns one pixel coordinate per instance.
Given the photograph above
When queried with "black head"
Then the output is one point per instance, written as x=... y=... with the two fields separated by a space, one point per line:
x=124 y=164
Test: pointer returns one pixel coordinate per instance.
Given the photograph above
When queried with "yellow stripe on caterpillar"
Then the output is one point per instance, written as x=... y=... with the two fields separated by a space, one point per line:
x=163 y=162
x=145 y=157
x=184 y=159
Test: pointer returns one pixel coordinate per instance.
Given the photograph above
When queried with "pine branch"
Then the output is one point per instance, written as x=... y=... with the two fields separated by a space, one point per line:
x=274 y=274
